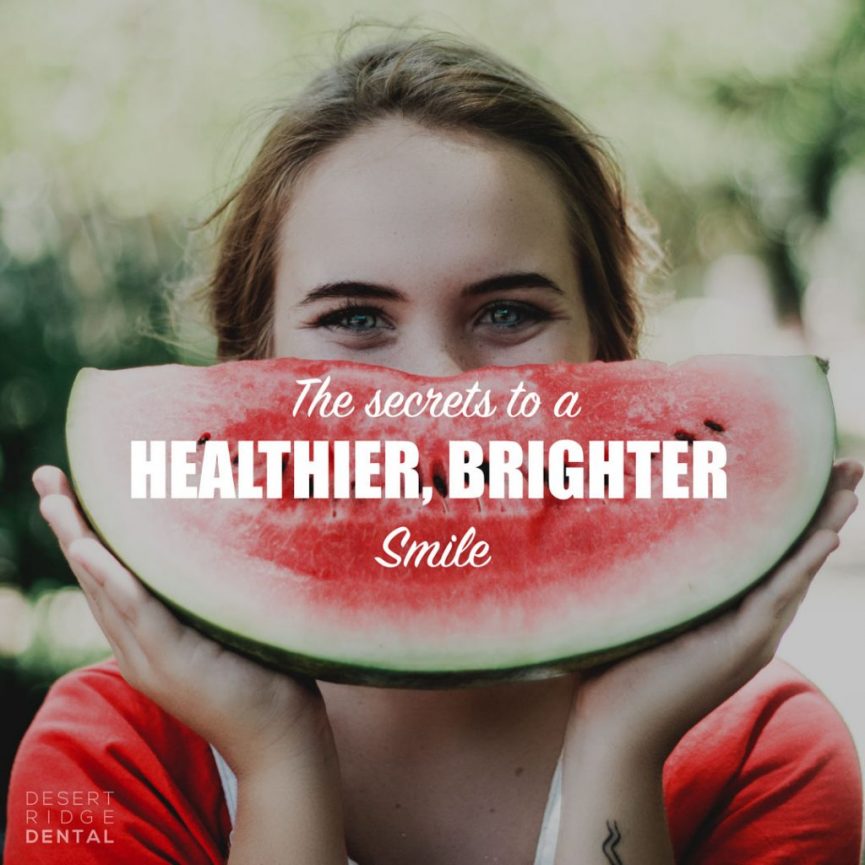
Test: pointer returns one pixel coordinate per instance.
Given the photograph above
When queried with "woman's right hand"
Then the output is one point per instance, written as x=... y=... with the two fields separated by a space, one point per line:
x=254 y=716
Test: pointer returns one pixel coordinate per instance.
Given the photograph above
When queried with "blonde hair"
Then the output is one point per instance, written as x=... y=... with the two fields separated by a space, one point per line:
x=442 y=82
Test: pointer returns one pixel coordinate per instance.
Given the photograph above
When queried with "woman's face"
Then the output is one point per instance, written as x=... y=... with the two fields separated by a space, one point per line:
x=431 y=252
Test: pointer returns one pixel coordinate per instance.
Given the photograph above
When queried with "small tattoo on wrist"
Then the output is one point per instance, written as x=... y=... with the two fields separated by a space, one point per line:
x=610 y=843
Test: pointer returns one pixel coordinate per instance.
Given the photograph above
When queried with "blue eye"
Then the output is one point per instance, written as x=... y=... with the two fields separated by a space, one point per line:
x=359 y=320
x=505 y=315
x=354 y=319
x=511 y=315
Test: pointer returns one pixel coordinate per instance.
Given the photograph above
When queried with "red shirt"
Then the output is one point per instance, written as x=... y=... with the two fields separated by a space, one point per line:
x=771 y=776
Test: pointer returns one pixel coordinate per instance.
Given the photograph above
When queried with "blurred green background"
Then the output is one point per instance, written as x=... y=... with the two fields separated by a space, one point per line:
x=742 y=125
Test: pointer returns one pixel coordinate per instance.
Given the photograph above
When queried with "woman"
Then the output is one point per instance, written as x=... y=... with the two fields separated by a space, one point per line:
x=423 y=205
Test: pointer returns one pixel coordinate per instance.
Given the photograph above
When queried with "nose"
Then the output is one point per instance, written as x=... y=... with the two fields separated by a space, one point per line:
x=435 y=358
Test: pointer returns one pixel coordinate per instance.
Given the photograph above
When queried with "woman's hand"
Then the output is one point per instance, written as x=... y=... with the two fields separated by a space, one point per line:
x=646 y=703
x=255 y=717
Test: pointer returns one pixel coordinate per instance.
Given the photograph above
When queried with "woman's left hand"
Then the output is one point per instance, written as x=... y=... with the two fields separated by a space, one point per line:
x=647 y=702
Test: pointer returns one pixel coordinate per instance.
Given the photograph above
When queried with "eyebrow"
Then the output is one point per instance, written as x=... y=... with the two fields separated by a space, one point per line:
x=500 y=282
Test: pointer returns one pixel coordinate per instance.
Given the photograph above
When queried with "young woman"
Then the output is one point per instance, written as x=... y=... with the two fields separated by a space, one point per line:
x=424 y=205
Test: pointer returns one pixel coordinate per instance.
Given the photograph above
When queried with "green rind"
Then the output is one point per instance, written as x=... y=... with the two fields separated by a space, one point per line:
x=346 y=672
x=330 y=670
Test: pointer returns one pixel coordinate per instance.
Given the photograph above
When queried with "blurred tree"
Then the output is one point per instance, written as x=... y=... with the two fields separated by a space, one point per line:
x=815 y=119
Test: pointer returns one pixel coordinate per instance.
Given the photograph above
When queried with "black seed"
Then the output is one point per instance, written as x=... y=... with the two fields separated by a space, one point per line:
x=683 y=436
x=441 y=485
x=713 y=425
x=203 y=438
x=485 y=468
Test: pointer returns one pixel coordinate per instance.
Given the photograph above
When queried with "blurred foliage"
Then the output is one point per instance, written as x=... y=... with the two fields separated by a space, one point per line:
x=741 y=124
x=816 y=117
x=49 y=329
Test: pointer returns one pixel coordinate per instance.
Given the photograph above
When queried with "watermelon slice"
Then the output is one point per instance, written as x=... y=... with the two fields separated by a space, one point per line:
x=302 y=583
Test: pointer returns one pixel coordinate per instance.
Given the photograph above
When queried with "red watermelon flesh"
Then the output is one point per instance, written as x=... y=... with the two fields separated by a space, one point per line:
x=570 y=581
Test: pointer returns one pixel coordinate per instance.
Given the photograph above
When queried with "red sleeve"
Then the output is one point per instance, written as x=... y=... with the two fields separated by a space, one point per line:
x=772 y=776
x=103 y=775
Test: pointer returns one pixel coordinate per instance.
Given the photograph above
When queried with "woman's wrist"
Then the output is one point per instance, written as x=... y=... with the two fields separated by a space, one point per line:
x=289 y=810
x=616 y=748
x=641 y=743
x=613 y=799
x=301 y=744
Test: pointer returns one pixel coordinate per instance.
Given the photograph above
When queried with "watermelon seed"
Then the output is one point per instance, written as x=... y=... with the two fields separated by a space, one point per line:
x=683 y=436
x=203 y=438
x=440 y=484
x=713 y=425
x=485 y=469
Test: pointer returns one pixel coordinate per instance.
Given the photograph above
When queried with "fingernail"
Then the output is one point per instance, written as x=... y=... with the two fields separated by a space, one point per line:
x=39 y=486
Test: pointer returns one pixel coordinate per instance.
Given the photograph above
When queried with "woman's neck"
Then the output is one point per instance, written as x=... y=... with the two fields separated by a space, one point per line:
x=443 y=720
x=477 y=760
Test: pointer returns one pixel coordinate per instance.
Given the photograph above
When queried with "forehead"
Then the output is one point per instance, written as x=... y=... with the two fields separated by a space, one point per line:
x=396 y=199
